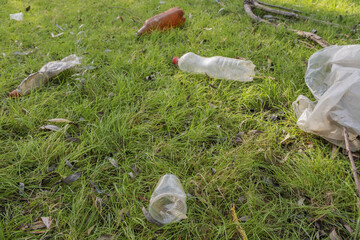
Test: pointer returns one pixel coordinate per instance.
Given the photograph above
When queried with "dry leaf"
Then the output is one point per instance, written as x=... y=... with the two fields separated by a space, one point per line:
x=334 y=236
x=52 y=168
x=59 y=120
x=244 y=218
x=72 y=178
x=47 y=221
x=238 y=138
x=112 y=161
x=131 y=174
x=106 y=237
x=96 y=187
x=99 y=202
x=39 y=232
x=26 y=112
x=122 y=212
x=287 y=137
x=34 y=226
x=133 y=167
x=50 y=127
x=350 y=230
x=212 y=105
x=270 y=65
x=57 y=35
x=301 y=201
x=71 y=139
x=57 y=25
x=90 y=230
x=242 y=199
x=22 y=188
x=119 y=17
x=285 y=158
x=70 y=165
x=208 y=29
x=319 y=40
x=255 y=132
x=334 y=151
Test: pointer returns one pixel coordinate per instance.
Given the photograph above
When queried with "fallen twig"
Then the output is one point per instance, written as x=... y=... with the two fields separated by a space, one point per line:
x=292 y=14
x=353 y=167
x=319 y=40
x=250 y=4
x=236 y=221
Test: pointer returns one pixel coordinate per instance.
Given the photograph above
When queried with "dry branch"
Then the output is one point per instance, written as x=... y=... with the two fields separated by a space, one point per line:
x=249 y=5
x=353 y=167
x=316 y=38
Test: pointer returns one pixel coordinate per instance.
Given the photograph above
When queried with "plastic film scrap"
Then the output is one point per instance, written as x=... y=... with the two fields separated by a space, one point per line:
x=333 y=77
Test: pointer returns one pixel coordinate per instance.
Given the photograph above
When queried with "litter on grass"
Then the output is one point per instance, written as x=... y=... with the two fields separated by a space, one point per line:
x=173 y=17
x=57 y=35
x=26 y=52
x=168 y=201
x=47 y=72
x=17 y=16
x=217 y=67
x=333 y=77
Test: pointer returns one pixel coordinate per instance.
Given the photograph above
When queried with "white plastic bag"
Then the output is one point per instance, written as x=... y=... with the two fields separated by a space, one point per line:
x=17 y=16
x=333 y=77
x=49 y=70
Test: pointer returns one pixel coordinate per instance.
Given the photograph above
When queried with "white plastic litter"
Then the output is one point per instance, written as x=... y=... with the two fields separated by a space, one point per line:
x=49 y=70
x=17 y=16
x=168 y=201
x=333 y=77
x=218 y=67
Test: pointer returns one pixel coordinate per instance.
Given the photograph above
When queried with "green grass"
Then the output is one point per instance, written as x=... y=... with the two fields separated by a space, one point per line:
x=167 y=124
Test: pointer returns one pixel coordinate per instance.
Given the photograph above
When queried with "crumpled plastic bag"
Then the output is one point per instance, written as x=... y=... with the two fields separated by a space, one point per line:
x=49 y=70
x=333 y=77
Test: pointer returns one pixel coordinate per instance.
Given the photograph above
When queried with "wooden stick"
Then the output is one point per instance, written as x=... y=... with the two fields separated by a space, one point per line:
x=276 y=11
x=353 y=167
x=292 y=14
x=250 y=4
x=316 y=38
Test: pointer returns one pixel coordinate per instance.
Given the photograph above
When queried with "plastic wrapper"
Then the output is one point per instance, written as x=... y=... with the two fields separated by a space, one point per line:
x=168 y=201
x=333 y=77
x=41 y=77
x=17 y=16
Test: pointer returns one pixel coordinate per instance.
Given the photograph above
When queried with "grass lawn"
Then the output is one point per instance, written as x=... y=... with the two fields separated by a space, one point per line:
x=131 y=104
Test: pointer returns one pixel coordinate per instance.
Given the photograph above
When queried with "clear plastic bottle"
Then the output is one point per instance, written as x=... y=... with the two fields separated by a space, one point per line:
x=217 y=67
x=171 y=18
x=168 y=201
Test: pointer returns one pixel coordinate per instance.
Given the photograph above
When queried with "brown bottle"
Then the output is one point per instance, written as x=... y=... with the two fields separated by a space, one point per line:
x=171 y=18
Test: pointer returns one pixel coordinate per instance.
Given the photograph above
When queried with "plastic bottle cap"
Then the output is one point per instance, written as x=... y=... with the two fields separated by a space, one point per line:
x=15 y=94
x=175 y=60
